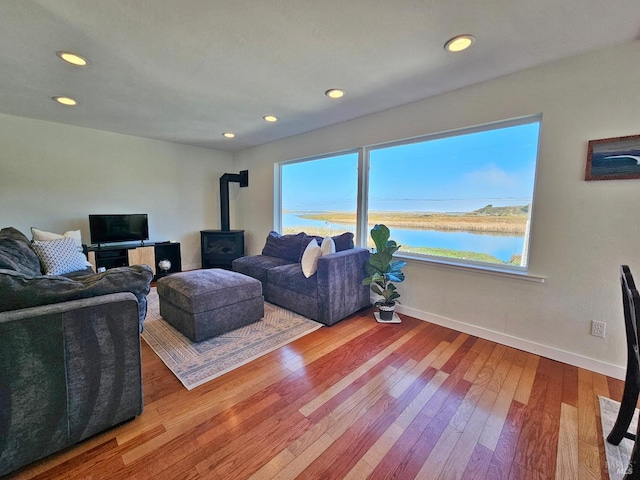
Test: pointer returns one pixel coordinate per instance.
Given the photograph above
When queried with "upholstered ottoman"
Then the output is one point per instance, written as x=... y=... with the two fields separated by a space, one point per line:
x=204 y=303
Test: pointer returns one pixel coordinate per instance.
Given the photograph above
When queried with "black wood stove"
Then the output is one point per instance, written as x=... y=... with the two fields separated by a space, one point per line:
x=220 y=247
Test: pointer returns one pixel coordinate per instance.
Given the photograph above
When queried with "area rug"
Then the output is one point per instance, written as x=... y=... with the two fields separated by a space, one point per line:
x=198 y=363
x=617 y=455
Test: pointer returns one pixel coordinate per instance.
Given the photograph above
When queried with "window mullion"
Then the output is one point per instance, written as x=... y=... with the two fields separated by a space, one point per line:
x=362 y=211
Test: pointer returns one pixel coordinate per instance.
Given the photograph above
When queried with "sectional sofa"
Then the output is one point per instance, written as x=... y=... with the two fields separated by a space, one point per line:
x=333 y=292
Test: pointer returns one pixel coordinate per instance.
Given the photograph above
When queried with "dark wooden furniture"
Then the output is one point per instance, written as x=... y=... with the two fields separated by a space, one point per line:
x=631 y=306
x=112 y=256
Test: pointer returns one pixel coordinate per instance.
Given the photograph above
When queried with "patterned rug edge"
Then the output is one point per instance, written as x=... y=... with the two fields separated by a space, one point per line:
x=617 y=455
x=160 y=349
x=248 y=360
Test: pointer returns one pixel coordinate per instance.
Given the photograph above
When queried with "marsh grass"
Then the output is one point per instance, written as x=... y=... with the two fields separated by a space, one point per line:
x=509 y=224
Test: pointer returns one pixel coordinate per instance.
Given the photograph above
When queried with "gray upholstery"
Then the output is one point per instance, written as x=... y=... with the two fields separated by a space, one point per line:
x=67 y=371
x=334 y=292
x=287 y=247
x=205 y=303
x=69 y=352
x=23 y=291
x=290 y=277
x=16 y=253
x=257 y=266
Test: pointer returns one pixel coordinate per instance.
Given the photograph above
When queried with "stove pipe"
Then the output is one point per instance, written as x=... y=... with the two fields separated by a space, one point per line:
x=243 y=179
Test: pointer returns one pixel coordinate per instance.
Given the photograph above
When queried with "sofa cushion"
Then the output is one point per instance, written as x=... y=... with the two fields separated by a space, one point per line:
x=290 y=277
x=257 y=266
x=287 y=247
x=21 y=291
x=16 y=253
x=344 y=241
x=60 y=256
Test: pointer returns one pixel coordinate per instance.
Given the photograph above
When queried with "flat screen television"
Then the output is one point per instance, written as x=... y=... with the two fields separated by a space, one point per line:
x=118 y=228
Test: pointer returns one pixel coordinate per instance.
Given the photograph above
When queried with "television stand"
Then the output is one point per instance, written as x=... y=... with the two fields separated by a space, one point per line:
x=113 y=256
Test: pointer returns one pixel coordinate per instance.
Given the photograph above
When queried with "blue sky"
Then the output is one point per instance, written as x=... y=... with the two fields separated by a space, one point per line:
x=460 y=173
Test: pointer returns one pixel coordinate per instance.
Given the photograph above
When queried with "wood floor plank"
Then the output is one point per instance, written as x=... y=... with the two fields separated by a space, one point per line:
x=525 y=385
x=567 y=451
x=359 y=400
x=460 y=455
x=587 y=429
x=499 y=410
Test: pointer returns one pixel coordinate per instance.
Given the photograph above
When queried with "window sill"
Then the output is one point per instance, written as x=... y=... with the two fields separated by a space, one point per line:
x=472 y=267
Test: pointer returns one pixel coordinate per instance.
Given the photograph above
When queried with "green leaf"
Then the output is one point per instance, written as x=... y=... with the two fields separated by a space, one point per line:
x=380 y=234
x=398 y=265
x=380 y=261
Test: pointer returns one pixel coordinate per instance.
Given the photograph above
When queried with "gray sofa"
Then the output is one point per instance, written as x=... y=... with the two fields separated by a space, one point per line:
x=70 y=362
x=334 y=292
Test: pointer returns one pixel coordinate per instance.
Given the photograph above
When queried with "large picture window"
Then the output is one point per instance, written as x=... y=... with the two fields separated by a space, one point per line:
x=462 y=197
x=465 y=197
x=320 y=196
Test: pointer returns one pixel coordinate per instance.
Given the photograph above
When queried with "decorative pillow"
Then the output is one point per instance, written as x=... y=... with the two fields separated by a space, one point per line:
x=287 y=247
x=59 y=256
x=310 y=258
x=328 y=246
x=343 y=241
x=43 y=236
x=16 y=253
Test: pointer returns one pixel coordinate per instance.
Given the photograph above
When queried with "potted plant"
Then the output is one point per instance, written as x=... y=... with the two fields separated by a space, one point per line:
x=382 y=270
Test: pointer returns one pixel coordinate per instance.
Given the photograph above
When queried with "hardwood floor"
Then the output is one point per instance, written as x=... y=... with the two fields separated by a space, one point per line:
x=360 y=400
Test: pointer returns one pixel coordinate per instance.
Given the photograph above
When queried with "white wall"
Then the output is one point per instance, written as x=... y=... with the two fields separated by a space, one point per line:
x=52 y=176
x=582 y=231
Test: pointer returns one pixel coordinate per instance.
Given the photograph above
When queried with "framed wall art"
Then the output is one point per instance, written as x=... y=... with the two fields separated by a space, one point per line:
x=613 y=158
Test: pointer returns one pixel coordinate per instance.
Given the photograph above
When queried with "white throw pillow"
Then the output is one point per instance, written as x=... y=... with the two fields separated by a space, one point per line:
x=58 y=257
x=43 y=236
x=310 y=258
x=328 y=246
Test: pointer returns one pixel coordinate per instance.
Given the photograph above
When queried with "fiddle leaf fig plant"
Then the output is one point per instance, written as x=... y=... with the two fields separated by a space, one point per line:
x=382 y=270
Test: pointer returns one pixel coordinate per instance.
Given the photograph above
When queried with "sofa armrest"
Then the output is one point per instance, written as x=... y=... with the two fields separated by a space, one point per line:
x=67 y=371
x=340 y=289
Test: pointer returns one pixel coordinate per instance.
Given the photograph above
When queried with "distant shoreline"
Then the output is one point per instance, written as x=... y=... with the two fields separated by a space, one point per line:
x=500 y=220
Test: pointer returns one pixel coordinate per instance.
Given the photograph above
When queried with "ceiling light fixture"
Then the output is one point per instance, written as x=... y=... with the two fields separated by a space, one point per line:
x=68 y=101
x=270 y=118
x=459 y=43
x=228 y=135
x=334 y=93
x=73 y=59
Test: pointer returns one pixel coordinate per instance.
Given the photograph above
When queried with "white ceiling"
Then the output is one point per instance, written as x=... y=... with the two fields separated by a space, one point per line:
x=188 y=70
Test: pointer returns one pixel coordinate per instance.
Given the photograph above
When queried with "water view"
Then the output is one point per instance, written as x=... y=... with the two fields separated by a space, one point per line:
x=501 y=246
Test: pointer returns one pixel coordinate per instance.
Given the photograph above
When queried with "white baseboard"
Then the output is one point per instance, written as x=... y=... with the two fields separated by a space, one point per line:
x=574 y=359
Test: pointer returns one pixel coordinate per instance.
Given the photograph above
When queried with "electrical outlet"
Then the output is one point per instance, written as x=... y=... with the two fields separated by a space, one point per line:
x=598 y=328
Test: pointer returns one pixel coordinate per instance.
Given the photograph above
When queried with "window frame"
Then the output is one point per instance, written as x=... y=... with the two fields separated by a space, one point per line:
x=362 y=229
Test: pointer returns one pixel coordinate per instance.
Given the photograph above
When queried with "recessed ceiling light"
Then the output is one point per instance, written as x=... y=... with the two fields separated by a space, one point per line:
x=270 y=118
x=69 y=102
x=73 y=59
x=334 y=93
x=459 y=43
x=228 y=135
